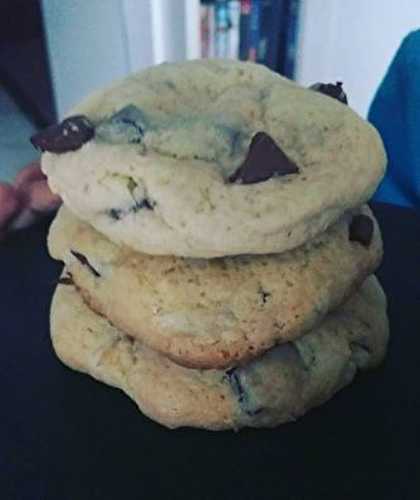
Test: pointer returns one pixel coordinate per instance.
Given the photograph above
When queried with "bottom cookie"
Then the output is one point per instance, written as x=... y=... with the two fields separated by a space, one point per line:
x=277 y=387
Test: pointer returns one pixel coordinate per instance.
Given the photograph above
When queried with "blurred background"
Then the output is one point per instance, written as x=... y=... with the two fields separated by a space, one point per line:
x=54 y=52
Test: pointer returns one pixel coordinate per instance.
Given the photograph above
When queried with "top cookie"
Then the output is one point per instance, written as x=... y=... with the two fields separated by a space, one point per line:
x=212 y=158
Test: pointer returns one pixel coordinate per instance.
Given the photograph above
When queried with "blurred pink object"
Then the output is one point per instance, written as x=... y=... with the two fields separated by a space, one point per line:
x=28 y=199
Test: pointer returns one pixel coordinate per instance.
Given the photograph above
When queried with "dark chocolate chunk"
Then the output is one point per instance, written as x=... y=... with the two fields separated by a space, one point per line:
x=361 y=229
x=138 y=205
x=83 y=260
x=116 y=213
x=238 y=389
x=127 y=126
x=66 y=280
x=264 y=160
x=69 y=135
x=119 y=213
x=264 y=295
x=235 y=383
x=145 y=203
x=333 y=90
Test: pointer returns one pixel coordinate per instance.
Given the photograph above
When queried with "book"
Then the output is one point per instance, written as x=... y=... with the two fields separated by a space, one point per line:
x=222 y=26
x=244 y=29
x=291 y=39
x=207 y=30
x=264 y=31
x=278 y=35
x=254 y=30
x=212 y=31
x=272 y=32
x=234 y=7
x=204 y=31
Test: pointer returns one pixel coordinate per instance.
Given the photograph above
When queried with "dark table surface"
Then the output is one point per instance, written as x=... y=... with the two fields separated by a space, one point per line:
x=65 y=436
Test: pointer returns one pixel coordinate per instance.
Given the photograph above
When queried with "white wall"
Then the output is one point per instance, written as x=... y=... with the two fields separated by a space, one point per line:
x=353 y=41
x=93 y=42
x=85 y=46
x=169 y=43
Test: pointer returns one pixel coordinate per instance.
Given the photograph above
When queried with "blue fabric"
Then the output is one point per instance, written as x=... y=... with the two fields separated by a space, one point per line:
x=395 y=112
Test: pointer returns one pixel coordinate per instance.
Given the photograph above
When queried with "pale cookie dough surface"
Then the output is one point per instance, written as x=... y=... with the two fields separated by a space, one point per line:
x=158 y=180
x=214 y=313
x=278 y=387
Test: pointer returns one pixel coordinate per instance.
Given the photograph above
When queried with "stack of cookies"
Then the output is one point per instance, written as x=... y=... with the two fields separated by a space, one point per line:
x=217 y=246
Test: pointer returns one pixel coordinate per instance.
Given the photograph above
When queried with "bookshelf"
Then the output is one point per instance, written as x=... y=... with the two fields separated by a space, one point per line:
x=264 y=31
x=90 y=44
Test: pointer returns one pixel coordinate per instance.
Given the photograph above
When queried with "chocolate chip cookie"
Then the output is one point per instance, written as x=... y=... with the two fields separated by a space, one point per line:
x=218 y=312
x=277 y=387
x=212 y=158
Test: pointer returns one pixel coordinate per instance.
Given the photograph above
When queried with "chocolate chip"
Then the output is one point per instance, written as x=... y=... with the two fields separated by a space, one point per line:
x=66 y=280
x=361 y=229
x=333 y=90
x=145 y=203
x=264 y=160
x=127 y=126
x=238 y=389
x=83 y=260
x=119 y=213
x=115 y=213
x=264 y=295
x=131 y=185
x=235 y=383
x=69 y=135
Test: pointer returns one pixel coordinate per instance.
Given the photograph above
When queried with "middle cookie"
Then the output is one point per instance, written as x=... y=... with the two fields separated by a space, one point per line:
x=219 y=312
